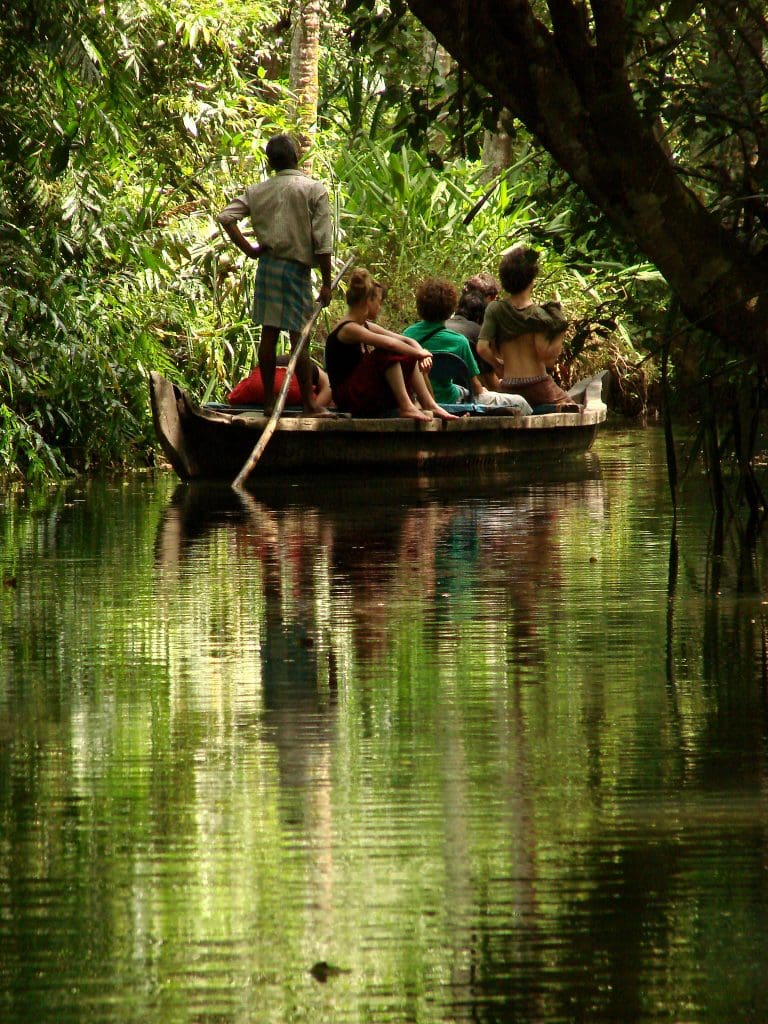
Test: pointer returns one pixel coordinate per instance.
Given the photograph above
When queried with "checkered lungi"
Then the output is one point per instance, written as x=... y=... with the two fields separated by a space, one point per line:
x=282 y=293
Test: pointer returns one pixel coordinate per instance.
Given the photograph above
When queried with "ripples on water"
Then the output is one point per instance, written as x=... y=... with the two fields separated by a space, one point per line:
x=379 y=752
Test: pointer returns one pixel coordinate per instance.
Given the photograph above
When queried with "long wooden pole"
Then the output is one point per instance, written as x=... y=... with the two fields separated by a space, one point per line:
x=269 y=429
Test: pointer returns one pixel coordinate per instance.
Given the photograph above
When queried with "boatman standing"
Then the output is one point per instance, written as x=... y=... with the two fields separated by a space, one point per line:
x=291 y=219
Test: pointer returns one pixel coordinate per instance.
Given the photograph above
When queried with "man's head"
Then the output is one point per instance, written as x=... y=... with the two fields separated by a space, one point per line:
x=484 y=283
x=472 y=306
x=282 y=153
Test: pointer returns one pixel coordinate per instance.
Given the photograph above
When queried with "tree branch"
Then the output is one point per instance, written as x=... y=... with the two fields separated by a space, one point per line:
x=590 y=122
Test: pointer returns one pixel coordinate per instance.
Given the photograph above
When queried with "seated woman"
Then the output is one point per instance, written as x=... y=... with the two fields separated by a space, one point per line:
x=372 y=382
x=525 y=338
x=435 y=301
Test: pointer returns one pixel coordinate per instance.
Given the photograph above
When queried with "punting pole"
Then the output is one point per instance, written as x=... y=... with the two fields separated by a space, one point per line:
x=269 y=429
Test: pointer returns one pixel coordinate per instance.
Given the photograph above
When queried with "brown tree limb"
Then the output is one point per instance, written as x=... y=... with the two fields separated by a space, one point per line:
x=589 y=121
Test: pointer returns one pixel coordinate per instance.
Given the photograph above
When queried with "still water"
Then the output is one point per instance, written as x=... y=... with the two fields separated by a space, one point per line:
x=381 y=752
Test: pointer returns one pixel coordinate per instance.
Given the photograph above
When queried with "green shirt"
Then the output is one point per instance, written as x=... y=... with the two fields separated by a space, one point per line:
x=435 y=337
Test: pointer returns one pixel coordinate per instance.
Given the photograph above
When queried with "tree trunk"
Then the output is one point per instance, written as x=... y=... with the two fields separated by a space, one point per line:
x=497 y=147
x=435 y=61
x=570 y=86
x=305 y=56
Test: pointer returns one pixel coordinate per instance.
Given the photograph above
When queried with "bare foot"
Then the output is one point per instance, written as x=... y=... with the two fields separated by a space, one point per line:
x=320 y=411
x=443 y=414
x=412 y=413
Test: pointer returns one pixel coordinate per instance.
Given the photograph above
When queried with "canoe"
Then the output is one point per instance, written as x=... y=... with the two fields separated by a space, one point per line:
x=213 y=442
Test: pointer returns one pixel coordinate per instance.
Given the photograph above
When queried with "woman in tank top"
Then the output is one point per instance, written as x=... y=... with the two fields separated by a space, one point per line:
x=372 y=370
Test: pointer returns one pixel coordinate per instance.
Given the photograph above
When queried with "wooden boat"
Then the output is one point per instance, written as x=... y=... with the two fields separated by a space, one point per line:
x=213 y=442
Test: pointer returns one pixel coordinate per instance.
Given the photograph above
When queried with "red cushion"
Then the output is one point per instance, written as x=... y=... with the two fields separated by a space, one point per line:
x=251 y=391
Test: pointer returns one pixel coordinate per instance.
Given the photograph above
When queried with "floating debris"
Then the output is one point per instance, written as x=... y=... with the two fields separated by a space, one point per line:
x=322 y=971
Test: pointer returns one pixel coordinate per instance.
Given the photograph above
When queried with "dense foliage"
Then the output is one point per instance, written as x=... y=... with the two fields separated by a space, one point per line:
x=123 y=128
x=657 y=111
x=116 y=128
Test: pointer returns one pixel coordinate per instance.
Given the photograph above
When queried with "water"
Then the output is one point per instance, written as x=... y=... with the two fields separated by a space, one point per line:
x=456 y=741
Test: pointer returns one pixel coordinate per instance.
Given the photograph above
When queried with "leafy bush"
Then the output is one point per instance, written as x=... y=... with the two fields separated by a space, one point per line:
x=406 y=220
x=116 y=130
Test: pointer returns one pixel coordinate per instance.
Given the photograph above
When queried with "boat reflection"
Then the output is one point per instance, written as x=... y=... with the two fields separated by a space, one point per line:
x=341 y=554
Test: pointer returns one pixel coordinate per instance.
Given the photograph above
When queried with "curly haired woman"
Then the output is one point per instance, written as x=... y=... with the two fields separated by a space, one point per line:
x=435 y=301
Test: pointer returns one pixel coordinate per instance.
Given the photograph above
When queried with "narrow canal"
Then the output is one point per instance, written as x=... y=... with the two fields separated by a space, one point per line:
x=407 y=751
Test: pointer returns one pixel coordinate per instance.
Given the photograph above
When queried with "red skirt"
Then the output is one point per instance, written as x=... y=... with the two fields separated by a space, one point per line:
x=365 y=392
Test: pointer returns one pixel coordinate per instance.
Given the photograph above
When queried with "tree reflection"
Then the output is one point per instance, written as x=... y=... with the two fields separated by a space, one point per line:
x=419 y=730
x=348 y=579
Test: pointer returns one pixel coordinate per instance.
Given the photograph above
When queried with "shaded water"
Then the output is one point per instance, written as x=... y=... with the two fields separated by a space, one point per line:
x=456 y=742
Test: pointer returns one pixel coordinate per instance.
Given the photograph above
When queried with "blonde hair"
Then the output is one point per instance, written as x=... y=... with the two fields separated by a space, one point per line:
x=361 y=287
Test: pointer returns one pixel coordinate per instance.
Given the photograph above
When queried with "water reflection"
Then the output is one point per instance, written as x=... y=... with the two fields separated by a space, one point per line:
x=298 y=674
x=436 y=734
x=471 y=571
x=486 y=556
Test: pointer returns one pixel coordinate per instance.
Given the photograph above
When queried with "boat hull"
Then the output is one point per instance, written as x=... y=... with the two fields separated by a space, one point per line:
x=202 y=443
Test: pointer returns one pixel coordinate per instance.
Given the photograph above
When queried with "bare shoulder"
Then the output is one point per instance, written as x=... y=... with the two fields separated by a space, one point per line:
x=349 y=331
